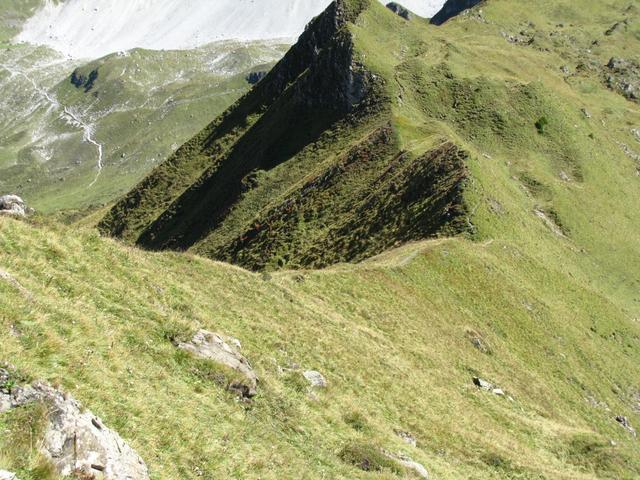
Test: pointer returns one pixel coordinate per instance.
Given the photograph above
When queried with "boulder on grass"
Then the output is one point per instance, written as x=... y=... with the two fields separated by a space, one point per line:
x=225 y=351
x=13 y=205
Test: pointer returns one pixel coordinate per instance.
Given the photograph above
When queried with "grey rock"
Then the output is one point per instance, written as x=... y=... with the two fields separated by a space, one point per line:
x=225 y=351
x=626 y=424
x=636 y=133
x=4 y=475
x=586 y=113
x=76 y=441
x=13 y=205
x=498 y=391
x=623 y=76
x=483 y=384
x=409 y=463
x=316 y=379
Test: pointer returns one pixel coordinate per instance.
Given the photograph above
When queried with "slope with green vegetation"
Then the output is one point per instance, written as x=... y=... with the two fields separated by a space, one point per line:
x=505 y=114
x=75 y=136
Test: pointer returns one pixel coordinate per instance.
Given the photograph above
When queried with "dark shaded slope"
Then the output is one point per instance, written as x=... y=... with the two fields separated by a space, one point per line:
x=130 y=216
x=453 y=8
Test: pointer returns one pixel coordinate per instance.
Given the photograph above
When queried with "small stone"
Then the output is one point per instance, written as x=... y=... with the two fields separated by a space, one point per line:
x=564 y=177
x=586 y=113
x=4 y=475
x=315 y=378
x=498 y=391
x=483 y=384
x=407 y=437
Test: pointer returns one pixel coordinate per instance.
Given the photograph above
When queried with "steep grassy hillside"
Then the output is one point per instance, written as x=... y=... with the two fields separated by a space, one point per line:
x=66 y=145
x=398 y=338
x=295 y=176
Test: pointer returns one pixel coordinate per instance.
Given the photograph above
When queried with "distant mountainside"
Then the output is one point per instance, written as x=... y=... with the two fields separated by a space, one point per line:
x=76 y=134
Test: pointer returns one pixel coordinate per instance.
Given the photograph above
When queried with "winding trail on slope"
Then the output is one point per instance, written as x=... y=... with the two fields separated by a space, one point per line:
x=67 y=114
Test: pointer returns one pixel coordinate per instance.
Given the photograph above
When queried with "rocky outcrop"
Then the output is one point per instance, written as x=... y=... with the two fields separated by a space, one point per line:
x=225 y=351
x=13 y=205
x=4 y=475
x=75 y=440
x=623 y=76
x=84 y=81
x=453 y=8
x=255 y=77
x=626 y=424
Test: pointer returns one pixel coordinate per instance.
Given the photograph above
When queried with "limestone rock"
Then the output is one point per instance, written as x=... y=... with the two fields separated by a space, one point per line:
x=408 y=463
x=483 y=384
x=316 y=379
x=225 y=351
x=13 y=205
x=624 y=76
x=75 y=440
x=626 y=424
x=4 y=475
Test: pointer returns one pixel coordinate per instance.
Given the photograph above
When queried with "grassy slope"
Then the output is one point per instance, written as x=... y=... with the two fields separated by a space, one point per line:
x=559 y=314
x=392 y=336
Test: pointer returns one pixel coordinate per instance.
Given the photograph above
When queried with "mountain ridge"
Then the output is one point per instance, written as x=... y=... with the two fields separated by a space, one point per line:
x=356 y=100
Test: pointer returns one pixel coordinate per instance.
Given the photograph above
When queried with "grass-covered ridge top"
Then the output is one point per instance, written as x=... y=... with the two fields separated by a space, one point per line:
x=278 y=179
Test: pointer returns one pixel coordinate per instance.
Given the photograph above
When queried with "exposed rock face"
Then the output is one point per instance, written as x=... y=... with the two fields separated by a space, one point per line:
x=225 y=351
x=623 y=76
x=76 y=441
x=399 y=10
x=453 y=8
x=13 y=205
x=4 y=475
